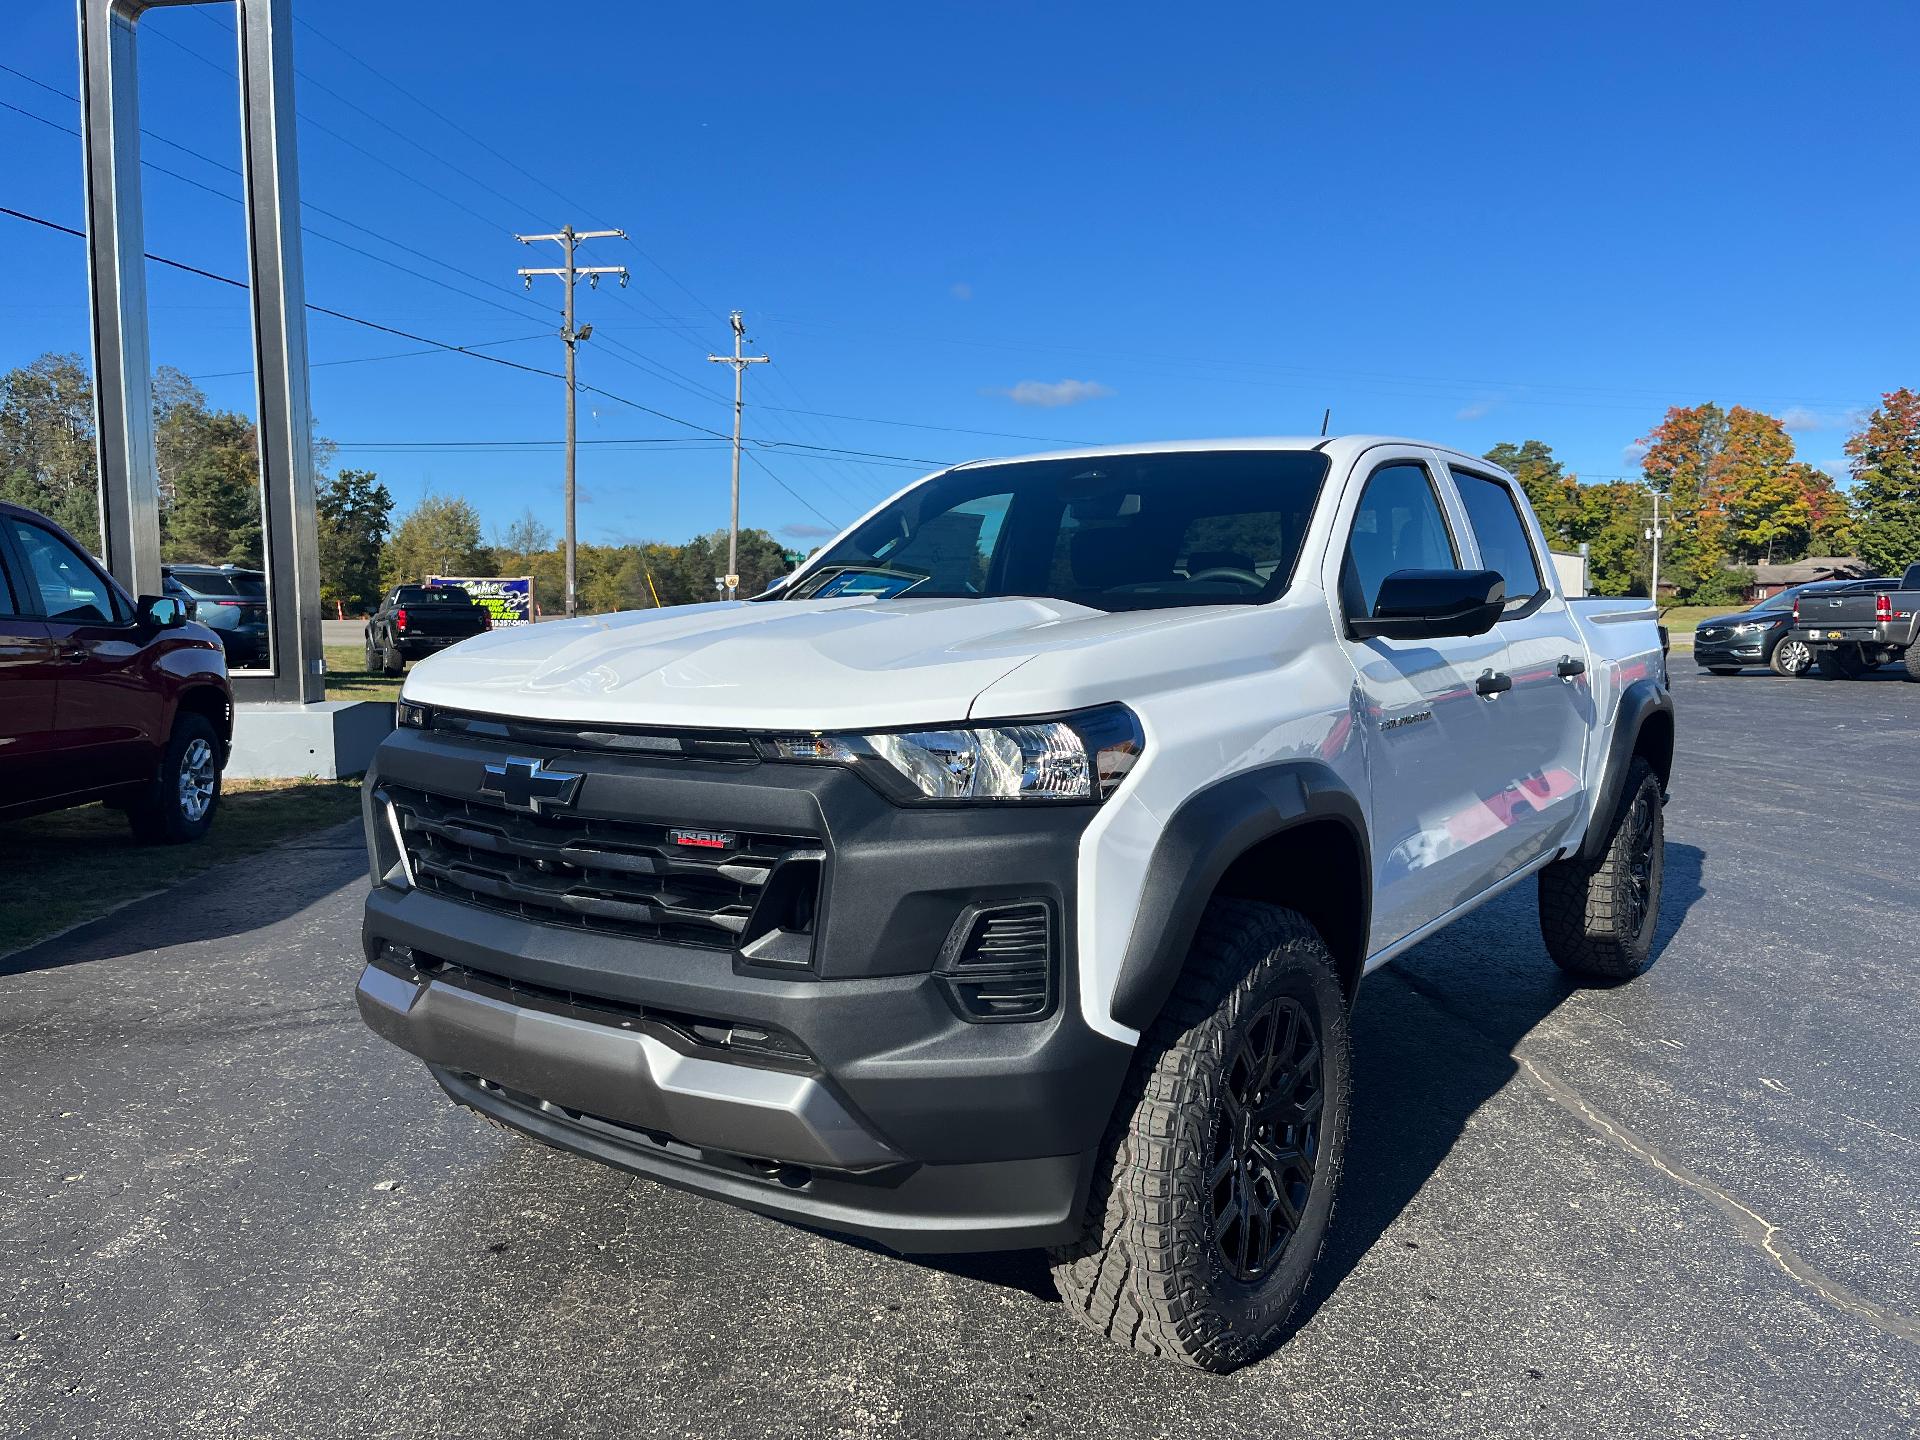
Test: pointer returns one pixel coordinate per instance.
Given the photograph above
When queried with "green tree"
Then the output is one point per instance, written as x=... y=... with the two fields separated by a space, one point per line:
x=1886 y=474
x=1611 y=525
x=47 y=444
x=439 y=536
x=212 y=516
x=354 y=513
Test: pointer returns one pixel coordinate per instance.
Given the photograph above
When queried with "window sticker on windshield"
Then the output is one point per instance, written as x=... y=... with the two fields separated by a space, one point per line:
x=866 y=582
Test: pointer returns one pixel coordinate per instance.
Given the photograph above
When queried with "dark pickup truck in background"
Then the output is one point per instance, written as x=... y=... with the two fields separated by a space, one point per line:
x=1862 y=626
x=415 y=621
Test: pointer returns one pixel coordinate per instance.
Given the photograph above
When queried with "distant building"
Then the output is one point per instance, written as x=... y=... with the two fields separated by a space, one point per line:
x=1772 y=579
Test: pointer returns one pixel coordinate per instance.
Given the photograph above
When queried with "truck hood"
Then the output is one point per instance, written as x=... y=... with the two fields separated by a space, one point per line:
x=775 y=665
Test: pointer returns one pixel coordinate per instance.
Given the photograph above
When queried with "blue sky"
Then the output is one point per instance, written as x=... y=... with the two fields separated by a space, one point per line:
x=1070 y=223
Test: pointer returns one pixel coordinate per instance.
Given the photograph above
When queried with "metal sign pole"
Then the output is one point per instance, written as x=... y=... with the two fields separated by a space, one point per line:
x=123 y=384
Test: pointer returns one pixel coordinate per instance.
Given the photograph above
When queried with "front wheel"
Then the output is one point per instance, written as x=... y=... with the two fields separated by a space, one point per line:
x=1598 y=915
x=1791 y=658
x=1220 y=1167
x=177 y=806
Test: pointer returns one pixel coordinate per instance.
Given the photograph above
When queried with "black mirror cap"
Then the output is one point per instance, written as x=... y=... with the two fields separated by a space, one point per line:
x=161 y=612
x=1431 y=604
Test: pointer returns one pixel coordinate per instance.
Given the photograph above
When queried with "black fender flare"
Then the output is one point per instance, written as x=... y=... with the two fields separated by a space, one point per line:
x=1211 y=830
x=1639 y=702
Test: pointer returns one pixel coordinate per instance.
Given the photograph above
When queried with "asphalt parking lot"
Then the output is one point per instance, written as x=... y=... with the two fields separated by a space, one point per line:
x=1687 y=1206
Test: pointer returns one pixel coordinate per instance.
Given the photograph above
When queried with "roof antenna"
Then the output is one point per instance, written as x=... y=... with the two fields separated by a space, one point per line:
x=1326 y=419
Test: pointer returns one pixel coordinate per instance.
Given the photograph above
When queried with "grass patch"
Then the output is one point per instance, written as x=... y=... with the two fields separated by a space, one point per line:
x=349 y=679
x=75 y=864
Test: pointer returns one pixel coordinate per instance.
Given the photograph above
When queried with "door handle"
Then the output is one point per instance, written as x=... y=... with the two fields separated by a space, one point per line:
x=1570 y=667
x=71 y=654
x=1492 y=683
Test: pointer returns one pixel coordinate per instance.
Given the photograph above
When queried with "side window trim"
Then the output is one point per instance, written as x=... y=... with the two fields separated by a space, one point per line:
x=1443 y=501
x=15 y=599
x=1543 y=585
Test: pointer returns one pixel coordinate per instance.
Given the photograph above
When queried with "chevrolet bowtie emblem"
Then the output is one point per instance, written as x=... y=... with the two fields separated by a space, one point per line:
x=524 y=784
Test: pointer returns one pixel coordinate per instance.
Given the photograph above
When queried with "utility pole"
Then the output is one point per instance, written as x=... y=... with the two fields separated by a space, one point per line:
x=569 y=273
x=1656 y=535
x=739 y=363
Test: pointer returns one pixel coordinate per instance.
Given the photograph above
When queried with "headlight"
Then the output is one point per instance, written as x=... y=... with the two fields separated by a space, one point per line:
x=410 y=716
x=1748 y=627
x=1082 y=757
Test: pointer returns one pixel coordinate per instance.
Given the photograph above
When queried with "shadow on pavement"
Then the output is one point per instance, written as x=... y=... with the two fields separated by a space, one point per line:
x=230 y=899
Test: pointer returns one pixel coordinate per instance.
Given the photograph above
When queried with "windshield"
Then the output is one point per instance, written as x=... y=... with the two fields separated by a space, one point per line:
x=1124 y=532
x=247 y=583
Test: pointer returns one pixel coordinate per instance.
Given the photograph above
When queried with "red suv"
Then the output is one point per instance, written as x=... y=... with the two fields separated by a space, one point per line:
x=103 y=697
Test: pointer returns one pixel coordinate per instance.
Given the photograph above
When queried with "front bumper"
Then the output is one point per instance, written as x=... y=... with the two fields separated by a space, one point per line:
x=875 y=1108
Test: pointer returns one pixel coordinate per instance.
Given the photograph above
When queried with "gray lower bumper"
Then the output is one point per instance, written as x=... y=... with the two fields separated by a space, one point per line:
x=623 y=1076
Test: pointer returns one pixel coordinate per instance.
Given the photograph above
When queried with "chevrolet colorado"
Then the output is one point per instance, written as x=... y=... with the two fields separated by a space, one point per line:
x=1006 y=876
x=414 y=621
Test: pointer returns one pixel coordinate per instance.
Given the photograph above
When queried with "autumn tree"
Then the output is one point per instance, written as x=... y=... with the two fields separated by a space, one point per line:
x=1680 y=465
x=1886 y=472
x=353 y=514
x=439 y=536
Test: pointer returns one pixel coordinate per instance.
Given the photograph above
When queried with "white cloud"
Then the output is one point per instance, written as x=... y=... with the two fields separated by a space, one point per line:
x=803 y=530
x=1633 y=454
x=1478 y=410
x=960 y=290
x=1803 y=417
x=1051 y=394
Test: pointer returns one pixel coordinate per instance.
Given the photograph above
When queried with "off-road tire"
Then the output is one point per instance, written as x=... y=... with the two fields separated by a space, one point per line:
x=1779 y=661
x=1598 y=916
x=1723 y=669
x=1910 y=662
x=1151 y=1271
x=373 y=658
x=392 y=662
x=162 y=813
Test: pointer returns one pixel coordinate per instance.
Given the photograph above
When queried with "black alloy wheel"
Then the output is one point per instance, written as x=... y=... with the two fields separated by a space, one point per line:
x=1637 y=896
x=1266 y=1138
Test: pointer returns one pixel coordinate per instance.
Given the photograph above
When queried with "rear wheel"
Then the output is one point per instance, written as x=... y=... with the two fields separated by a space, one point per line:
x=392 y=662
x=1791 y=658
x=1220 y=1167
x=1598 y=915
x=177 y=806
x=1910 y=662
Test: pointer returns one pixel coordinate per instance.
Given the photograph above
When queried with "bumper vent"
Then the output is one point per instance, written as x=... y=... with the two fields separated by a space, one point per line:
x=616 y=876
x=998 y=964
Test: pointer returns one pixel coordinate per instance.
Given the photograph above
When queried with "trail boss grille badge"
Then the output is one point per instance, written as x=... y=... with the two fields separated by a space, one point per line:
x=703 y=839
x=524 y=784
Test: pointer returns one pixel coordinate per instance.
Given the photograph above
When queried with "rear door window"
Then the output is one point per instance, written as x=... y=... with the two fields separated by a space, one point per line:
x=1497 y=524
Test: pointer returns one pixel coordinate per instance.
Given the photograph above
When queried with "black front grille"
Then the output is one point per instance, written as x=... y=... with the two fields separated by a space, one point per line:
x=619 y=876
x=998 y=963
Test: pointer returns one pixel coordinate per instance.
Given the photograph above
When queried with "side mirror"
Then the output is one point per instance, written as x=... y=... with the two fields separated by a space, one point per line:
x=1429 y=604
x=160 y=612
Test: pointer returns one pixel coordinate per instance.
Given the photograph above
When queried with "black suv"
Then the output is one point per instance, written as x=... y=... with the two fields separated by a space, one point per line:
x=1726 y=644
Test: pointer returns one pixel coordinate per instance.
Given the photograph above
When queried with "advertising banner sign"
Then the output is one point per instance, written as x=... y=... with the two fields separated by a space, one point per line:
x=509 y=598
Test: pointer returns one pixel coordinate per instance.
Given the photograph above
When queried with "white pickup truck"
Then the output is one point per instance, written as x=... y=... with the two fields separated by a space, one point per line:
x=1005 y=877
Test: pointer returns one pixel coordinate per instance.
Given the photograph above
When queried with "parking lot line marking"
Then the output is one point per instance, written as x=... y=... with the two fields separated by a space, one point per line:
x=1748 y=1223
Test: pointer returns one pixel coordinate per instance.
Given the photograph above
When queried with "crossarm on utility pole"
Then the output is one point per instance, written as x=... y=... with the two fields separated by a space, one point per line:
x=739 y=363
x=567 y=238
